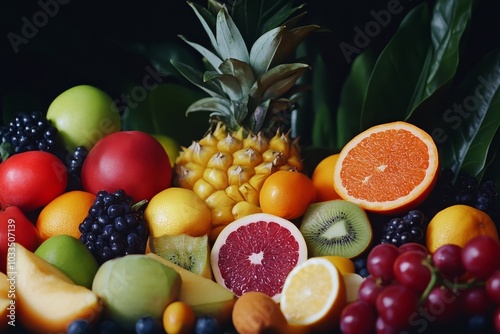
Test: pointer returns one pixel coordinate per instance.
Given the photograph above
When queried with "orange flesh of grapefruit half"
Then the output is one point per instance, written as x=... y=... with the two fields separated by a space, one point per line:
x=388 y=168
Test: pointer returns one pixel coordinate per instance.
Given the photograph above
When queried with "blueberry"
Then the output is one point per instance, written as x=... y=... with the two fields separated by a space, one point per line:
x=477 y=324
x=148 y=325
x=114 y=210
x=80 y=326
x=206 y=325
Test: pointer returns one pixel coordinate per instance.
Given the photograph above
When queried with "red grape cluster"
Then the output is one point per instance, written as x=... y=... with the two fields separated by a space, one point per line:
x=409 y=290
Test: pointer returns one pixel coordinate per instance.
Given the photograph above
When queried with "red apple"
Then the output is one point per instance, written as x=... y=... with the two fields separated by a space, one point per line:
x=15 y=227
x=30 y=180
x=130 y=160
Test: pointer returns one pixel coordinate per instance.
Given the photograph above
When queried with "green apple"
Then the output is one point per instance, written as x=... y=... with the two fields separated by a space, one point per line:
x=83 y=114
x=71 y=257
x=135 y=286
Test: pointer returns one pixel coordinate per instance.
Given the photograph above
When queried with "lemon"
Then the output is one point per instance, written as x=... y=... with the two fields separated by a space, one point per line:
x=457 y=224
x=175 y=211
x=313 y=295
x=170 y=145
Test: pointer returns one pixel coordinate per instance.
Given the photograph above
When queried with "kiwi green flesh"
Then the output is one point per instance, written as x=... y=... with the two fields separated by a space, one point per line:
x=185 y=251
x=336 y=227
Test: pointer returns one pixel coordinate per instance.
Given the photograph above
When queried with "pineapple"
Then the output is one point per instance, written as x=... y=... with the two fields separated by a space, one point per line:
x=250 y=100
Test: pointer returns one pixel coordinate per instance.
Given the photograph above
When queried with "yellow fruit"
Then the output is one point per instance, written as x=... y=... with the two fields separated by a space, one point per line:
x=343 y=264
x=178 y=318
x=322 y=178
x=204 y=295
x=226 y=168
x=314 y=295
x=175 y=211
x=457 y=224
x=64 y=214
x=47 y=301
x=171 y=147
x=5 y=298
x=352 y=283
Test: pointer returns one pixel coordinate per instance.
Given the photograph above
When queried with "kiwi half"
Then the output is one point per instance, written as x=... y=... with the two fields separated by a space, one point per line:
x=190 y=253
x=336 y=227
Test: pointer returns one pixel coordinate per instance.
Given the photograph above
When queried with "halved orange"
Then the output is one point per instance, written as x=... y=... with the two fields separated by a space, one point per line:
x=388 y=168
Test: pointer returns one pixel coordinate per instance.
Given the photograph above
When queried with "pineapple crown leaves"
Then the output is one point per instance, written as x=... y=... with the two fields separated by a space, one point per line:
x=238 y=80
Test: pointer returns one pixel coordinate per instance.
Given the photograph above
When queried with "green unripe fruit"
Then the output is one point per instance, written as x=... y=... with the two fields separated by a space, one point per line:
x=83 y=115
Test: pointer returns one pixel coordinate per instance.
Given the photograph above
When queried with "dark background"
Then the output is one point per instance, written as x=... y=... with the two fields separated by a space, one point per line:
x=96 y=42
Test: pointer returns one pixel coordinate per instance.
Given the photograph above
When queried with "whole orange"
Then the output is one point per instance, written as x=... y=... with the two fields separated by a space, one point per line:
x=287 y=194
x=322 y=178
x=457 y=224
x=64 y=214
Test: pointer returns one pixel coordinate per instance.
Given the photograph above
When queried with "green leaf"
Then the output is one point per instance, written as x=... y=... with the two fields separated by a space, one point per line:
x=277 y=81
x=352 y=96
x=230 y=43
x=449 y=21
x=264 y=49
x=241 y=71
x=211 y=57
x=291 y=38
x=229 y=84
x=196 y=77
x=324 y=117
x=207 y=21
x=163 y=111
x=470 y=124
x=397 y=70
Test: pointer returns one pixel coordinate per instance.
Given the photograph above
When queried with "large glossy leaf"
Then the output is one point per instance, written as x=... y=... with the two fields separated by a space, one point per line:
x=448 y=25
x=324 y=117
x=471 y=122
x=163 y=111
x=398 y=70
x=352 y=97
x=449 y=22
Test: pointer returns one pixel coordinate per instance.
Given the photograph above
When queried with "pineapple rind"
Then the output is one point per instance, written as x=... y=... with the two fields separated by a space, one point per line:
x=228 y=170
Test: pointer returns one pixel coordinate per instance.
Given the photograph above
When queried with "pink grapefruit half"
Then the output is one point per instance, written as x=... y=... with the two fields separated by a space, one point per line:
x=256 y=253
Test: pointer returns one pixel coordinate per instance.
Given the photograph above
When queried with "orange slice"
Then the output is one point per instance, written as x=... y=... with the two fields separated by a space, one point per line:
x=389 y=168
x=314 y=295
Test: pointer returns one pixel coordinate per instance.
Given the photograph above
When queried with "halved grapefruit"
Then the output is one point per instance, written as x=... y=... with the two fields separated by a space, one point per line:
x=388 y=168
x=256 y=253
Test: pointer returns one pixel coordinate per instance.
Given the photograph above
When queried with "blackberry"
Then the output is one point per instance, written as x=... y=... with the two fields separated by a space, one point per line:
x=401 y=230
x=29 y=132
x=114 y=227
x=76 y=161
x=466 y=187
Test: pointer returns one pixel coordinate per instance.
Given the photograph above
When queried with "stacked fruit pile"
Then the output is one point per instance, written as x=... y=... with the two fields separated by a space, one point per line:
x=103 y=230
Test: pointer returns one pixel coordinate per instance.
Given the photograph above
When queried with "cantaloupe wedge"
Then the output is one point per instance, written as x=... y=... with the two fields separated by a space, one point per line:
x=204 y=295
x=47 y=301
